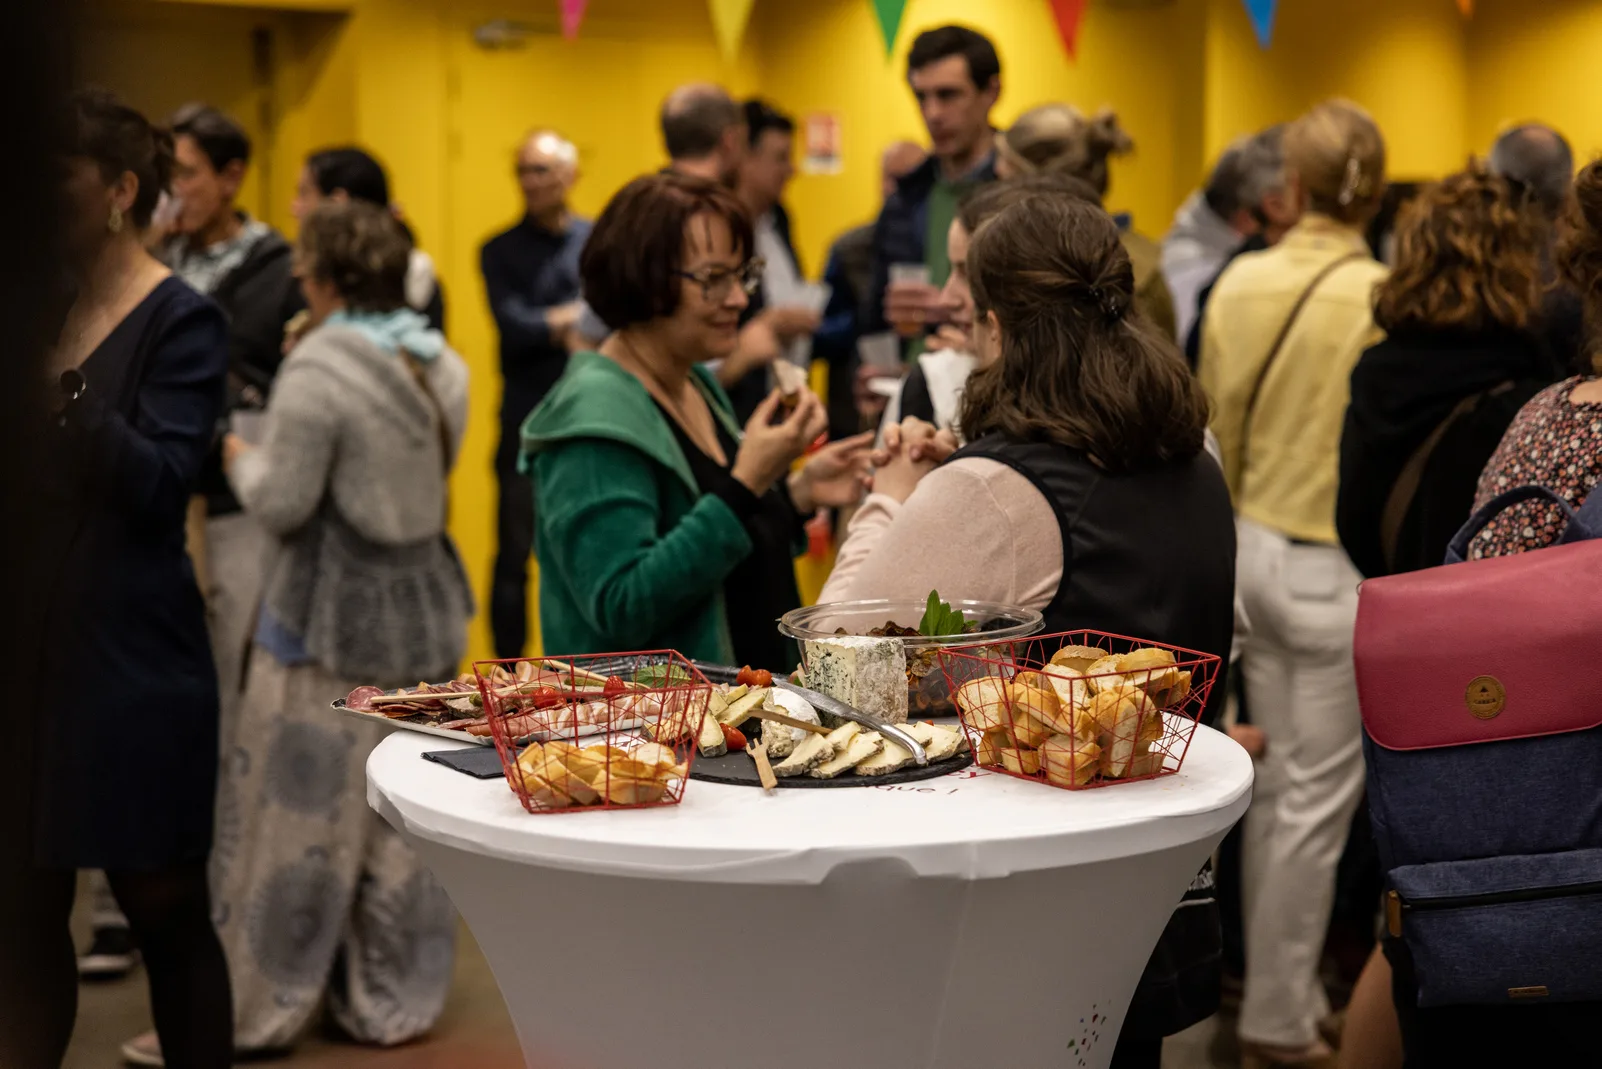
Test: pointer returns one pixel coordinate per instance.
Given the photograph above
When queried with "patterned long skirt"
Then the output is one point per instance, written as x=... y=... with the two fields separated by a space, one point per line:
x=317 y=900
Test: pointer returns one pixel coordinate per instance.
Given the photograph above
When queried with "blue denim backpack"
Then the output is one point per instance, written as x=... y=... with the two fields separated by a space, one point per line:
x=1480 y=685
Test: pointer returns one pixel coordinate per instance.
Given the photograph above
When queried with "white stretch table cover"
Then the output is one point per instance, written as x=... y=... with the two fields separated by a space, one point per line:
x=974 y=920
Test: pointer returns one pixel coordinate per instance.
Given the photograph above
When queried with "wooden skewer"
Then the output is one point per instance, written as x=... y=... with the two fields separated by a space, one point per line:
x=779 y=718
x=764 y=769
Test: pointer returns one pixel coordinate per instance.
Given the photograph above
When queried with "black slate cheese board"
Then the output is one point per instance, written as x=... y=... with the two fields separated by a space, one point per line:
x=739 y=770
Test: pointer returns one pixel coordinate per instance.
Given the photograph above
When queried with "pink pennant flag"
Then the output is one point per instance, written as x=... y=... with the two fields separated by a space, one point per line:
x=572 y=15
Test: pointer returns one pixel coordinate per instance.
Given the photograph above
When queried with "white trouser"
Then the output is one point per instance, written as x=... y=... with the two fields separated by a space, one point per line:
x=1302 y=692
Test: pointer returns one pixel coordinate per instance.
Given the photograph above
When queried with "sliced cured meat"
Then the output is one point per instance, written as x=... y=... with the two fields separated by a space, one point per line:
x=362 y=697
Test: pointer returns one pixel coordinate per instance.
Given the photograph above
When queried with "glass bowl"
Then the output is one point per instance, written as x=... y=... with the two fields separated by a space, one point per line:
x=928 y=694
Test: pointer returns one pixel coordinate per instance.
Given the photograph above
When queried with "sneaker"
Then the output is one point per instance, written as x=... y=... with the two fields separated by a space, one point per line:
x=143 y=1050
x=111 y=956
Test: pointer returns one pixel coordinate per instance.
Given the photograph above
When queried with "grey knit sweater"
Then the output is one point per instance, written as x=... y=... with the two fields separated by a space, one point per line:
x=350 y=479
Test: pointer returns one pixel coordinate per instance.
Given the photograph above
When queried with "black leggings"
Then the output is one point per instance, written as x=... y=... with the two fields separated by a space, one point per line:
x=169 y=912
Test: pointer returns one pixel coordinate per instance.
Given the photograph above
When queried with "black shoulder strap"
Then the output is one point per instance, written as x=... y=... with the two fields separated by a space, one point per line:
x=1405 y=489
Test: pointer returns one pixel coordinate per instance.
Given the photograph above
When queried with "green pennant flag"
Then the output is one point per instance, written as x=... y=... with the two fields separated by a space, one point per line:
x=889 y=12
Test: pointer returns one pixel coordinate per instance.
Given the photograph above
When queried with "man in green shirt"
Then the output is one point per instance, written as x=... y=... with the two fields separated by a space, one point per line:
x=956 y=76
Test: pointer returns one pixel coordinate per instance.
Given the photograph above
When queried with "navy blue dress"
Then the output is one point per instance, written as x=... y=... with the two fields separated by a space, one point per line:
x=128 y=748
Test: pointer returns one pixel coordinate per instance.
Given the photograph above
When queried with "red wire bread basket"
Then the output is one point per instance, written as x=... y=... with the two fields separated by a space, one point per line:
x=597 y=731
x=1080 y=709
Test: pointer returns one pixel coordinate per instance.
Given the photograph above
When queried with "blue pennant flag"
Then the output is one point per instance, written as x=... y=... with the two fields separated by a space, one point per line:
x=1262 y=13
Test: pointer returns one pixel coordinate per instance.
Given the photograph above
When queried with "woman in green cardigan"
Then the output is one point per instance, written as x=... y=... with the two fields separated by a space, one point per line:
x=658 y=523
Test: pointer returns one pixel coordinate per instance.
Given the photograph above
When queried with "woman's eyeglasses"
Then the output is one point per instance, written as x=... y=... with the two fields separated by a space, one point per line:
x=717 y=283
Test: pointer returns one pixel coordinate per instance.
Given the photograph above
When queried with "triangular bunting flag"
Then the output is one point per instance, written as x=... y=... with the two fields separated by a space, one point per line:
x=1262 y=13
x=889 y=12
x=1068 y=13
x=728 y=24
x=572 y=16
x=1467 y=7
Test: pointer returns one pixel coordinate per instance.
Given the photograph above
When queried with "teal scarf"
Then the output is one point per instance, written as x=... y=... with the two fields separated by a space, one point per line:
x=402 y=329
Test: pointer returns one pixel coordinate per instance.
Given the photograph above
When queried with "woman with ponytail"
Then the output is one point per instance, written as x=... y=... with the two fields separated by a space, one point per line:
x=1085 y=492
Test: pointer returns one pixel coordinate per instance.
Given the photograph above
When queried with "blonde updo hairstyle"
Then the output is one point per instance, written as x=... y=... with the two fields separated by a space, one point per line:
x=1337 y=156
x=1061 y=139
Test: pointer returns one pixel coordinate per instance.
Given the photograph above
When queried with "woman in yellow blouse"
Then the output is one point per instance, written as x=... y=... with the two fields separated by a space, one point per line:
x=1283 y=331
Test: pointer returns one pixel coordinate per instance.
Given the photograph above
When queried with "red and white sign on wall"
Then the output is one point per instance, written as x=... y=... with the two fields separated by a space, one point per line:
x=822 y=144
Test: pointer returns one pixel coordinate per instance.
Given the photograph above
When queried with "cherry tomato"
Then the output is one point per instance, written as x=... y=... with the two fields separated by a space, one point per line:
x=733 y=737
x=754 y=677
x=614 y=685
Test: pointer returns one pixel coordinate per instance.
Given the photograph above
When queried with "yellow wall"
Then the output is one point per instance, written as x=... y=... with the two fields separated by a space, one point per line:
x=1403 y=60
x=1536 y=61
x=404 y=78
x=827 y=56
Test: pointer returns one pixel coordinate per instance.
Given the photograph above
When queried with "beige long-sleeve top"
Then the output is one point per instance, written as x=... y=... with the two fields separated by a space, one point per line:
x=1006 y=548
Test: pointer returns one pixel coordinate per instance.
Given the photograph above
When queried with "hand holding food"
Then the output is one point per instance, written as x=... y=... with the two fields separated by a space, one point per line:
x=769 y=448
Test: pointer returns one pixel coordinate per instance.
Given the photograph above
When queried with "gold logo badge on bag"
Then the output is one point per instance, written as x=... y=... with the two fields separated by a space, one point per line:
x=1486 y=697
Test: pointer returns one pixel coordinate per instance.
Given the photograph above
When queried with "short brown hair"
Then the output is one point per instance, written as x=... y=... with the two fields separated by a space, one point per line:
x=1078 y=366
x=630 y=264
x=1468 y=256
x=992 y=198
x=1338 y=154
x=120 y=140
x=361 y=250
x=1579 y=251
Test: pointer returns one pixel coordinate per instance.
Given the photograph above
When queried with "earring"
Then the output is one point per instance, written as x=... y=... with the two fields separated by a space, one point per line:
x=114 y=224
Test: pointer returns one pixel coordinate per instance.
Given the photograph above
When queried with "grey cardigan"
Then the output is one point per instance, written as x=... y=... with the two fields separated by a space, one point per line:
x=350 y=479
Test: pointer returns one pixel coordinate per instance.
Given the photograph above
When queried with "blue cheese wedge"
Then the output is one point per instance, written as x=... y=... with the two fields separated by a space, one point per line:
x=868 y=674
x=808 y=754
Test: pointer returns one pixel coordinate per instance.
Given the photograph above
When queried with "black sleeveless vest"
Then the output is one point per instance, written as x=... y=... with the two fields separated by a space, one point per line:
x=1147 y=554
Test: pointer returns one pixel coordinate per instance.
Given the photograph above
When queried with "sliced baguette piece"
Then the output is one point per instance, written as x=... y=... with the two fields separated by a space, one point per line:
x=1078 y=658
x=862 y=746
x=1069 y=762
x=983 y=702
x=1024 y=762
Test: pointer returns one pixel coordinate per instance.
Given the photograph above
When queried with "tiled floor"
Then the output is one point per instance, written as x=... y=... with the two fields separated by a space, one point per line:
x=475 y=1032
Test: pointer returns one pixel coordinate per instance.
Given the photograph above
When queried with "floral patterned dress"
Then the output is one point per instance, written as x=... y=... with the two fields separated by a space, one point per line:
x=1554 y=442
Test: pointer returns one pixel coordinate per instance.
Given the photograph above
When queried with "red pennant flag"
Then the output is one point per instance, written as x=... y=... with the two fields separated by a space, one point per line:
x=572 y=16
x=1467 y=7
x=1068 y=13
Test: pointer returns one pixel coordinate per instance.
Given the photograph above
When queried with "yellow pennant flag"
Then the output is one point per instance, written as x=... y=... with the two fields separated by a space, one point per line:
x=728 y=23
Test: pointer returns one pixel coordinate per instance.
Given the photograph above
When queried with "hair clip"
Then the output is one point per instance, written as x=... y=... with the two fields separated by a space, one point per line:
x=1107 y=304
x=1352 y=181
